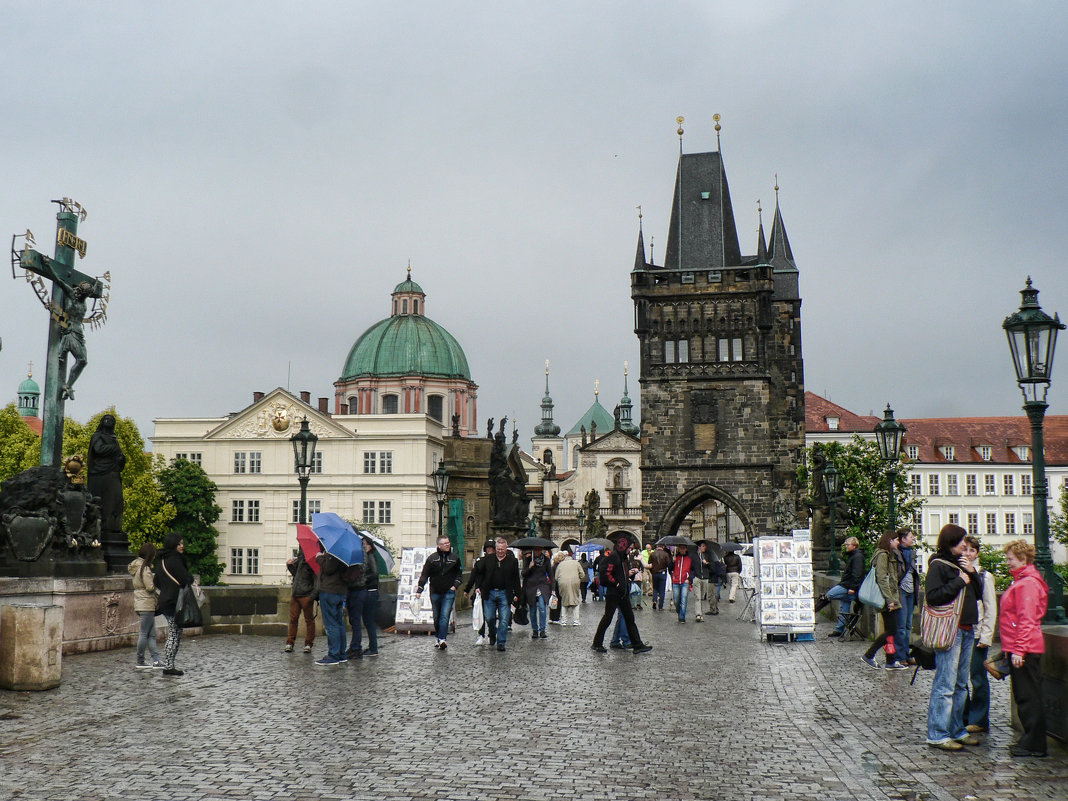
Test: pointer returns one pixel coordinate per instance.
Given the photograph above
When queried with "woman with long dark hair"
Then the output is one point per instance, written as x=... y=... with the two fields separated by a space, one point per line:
x=1022 y=607
x=947 y=577
x=144 y=588
x=889 y=569
x=173 y=574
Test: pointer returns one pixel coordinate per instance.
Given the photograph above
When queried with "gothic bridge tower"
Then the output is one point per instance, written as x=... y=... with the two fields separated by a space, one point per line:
x=722 y=381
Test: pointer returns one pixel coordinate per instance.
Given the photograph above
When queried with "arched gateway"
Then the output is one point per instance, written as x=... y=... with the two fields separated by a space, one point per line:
x=721 y=370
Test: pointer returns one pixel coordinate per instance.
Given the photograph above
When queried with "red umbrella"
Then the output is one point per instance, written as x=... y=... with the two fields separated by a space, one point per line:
x=309 y=546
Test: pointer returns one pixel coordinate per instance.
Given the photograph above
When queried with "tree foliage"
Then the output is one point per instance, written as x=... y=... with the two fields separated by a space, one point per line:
x=863 y=507
x=147 y=514
x=20 y=448
x=187 y=487
x=1058 y=523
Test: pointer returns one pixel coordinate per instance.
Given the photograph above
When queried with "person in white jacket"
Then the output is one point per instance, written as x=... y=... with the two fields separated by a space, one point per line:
x=977 y=706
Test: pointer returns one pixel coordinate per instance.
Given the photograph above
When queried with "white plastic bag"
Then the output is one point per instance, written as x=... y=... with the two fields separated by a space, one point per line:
x=414 y=605
x=477 y=618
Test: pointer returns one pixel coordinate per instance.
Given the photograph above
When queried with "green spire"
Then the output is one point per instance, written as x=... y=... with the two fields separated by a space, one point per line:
x=626 y=423
x=547 y=428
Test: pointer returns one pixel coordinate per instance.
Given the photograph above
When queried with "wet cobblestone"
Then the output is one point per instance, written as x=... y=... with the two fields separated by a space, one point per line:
x=714 y=712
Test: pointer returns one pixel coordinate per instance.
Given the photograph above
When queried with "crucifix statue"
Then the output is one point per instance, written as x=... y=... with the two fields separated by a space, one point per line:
x=69 y=310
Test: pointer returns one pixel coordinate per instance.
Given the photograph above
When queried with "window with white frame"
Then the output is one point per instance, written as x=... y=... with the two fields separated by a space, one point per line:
x=368 y=511
x=385 y=511
x=1025 y=484
x=255 y=461
x=1010 y=522
x=973 y=523
x=245 y=561
x=913 y=451
x=917 y=484
x=315 y=506
x=370 y=463
x=1007 y=484
x=985 y=452
x=951 y=485
x=991 y=523
x=970 y=484
x=192 y=458
x=932 y=483
x=240 y=462
x=237 y=561
x=832 y=423
x=954 y=518
x=990 y=485
x=385 y=461
x=917 y=523
x=948 y=452
x=1023 y=452
x=244 y=511
x=317 y=462
x=1028 y=523
x=378 y=462
x=237 y=511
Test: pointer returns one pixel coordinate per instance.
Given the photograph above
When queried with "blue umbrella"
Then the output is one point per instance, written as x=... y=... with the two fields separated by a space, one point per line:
x=590 y=547
x=338 y=538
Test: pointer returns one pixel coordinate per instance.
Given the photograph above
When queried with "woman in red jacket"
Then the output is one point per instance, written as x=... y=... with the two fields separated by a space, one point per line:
x=1022 y=608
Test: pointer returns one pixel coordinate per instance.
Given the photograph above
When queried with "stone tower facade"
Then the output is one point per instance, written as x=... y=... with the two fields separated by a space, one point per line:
x=722 y=378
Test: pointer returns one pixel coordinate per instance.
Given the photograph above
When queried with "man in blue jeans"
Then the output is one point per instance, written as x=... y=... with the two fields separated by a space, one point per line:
x=845 y=592
x=332 y=592
x=499 y=586
x=444 y=572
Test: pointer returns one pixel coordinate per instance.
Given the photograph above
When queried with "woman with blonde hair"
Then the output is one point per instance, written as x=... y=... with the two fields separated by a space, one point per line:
x=144 y=588
x=1022 y=606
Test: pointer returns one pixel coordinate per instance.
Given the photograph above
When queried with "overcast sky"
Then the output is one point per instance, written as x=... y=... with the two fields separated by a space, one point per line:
x=258 y=175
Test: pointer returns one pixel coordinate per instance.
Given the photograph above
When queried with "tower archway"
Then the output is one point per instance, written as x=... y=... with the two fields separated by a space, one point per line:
x=698 y=496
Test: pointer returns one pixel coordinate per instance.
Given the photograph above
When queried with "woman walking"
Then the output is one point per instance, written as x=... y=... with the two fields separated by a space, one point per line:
x=1022 y=607
x=889 y=569
x=538 y=586
x=570 y=577
x=144 y=588
x=173 y=575
x=947 y=577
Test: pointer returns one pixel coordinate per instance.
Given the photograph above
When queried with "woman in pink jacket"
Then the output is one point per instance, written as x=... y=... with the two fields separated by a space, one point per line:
x=1022 y=608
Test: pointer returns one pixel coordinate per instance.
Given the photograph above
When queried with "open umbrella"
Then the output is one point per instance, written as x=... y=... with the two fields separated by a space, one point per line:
x=601 y=542
x=675 y=539
x=733 y=546
x=338 y=537
x=309 y=546
x=532 y=542
x=713 y=548
x=385 y=558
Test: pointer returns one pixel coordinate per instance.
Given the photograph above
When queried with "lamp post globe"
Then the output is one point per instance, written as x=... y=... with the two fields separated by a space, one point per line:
x=304 y=442
x=832 y=485
x=889 y=434
x=1032 y=336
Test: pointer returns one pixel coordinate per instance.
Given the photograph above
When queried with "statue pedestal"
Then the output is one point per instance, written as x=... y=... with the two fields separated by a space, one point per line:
x=31 y=646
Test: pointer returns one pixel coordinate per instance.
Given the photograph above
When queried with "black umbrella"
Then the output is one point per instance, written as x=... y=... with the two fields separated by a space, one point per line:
x=600 y=541
x=733 y=546
x=675 y=539
x=532 y=542
x=713 y=548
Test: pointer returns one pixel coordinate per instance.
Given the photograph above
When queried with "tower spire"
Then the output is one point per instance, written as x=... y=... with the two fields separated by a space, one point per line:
x=780 y=256
x=762 y=249
x=639 y=256
x=626 y=422
x=547 y=428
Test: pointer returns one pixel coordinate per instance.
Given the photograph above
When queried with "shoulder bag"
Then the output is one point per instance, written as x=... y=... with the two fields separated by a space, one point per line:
x=186 y=609
x=938 y=624
x=869 y=592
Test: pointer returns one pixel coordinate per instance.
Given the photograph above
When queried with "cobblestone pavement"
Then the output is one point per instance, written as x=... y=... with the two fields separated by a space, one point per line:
x=714 y=712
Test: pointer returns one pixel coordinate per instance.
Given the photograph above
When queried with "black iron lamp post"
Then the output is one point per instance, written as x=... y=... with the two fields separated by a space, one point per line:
x=1032 y=337
x=832 y=485
x=441 y=487
x=304 y=442
x=889 y=434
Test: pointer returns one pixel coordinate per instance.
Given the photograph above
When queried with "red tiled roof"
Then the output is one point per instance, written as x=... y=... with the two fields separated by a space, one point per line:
x=36 y=424
x=965 y=434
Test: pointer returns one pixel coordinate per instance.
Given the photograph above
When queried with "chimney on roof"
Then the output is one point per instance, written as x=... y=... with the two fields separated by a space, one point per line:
x=306 y=397
x=257 y=396
x=322 y=406
x=344 y=408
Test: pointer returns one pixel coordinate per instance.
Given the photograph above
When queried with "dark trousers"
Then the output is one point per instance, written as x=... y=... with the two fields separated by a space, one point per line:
x=305 y=605
x=977 y=707
x=884 y=640
x=1027 y=692
x=659 y=589
x=612 y=602
x=363 y=607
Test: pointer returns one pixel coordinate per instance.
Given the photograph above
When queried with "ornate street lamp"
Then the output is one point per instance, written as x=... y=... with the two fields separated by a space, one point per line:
x=1032 y=337
x=304 y=442
x=889 y=433
x=832 y=485
x=441 y=487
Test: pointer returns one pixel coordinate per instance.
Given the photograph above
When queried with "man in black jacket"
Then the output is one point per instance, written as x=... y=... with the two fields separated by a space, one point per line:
x=615 y=577
x=444 y=571
x=845 y=591
x=498 y=581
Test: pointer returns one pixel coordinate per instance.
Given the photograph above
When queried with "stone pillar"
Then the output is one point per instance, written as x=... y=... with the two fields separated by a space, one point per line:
x=31 y=647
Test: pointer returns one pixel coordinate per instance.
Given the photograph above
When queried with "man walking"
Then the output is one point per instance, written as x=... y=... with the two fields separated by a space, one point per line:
x=474 y=583
x=702 y=588
x=616 y=579
x=500 y=588
x=733 y=564
x=681 y=580
x=442 y=568
x=659 y=564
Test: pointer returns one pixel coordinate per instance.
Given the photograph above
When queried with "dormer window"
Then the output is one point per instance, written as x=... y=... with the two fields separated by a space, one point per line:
x=985 y=452
x=913 y=451
x=832 y=423
x=948 y=452
x=1023 y=452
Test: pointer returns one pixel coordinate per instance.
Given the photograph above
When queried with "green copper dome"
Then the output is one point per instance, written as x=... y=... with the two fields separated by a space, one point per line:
x=406 y=344
x=408 y=285
x=595 y=414
x=29 y=387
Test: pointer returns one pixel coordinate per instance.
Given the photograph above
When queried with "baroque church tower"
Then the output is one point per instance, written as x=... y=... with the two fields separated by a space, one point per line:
x=721 y=375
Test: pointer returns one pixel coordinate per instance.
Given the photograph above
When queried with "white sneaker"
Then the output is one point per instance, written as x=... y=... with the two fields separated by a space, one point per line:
x=576 y=623
x=480 y=640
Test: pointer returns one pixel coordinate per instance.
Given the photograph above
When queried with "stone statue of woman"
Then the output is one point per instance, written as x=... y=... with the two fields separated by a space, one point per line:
x=106 y=461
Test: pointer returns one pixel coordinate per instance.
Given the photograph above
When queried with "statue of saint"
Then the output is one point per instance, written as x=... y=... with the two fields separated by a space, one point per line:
x=106 y=461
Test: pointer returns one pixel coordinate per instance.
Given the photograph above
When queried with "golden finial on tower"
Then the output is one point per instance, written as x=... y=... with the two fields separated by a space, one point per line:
x=680 y=121
x=776 y=189
x=596 y=387
x=625 y=367
x=546 y=367
x=716 y=118
x=760 y=213
x=29 y=372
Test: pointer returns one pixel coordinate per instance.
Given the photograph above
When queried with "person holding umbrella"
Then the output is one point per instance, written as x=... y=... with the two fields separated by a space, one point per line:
x=332 y=592
x=445 y=574
x=362 y=603
x=301 y=600
x=702 y=573
x=538 y=586
x=616 y=579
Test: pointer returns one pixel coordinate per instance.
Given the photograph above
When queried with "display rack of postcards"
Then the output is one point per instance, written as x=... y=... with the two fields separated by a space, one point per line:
x=784 y=581
x=413 y=614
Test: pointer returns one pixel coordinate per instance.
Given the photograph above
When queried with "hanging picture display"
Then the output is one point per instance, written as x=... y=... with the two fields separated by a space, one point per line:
x=784 y=582
x=414 y=614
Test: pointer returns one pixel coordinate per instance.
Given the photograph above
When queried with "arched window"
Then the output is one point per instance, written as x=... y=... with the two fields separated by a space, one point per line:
x=415 y=306
x=404 y=306
x=389 y=404
x=354 y=404
x=394 y=305
x=547 y=456
x=435 y=405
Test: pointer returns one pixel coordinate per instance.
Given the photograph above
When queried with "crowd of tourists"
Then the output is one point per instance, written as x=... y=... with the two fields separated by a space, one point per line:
x=961 y=615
